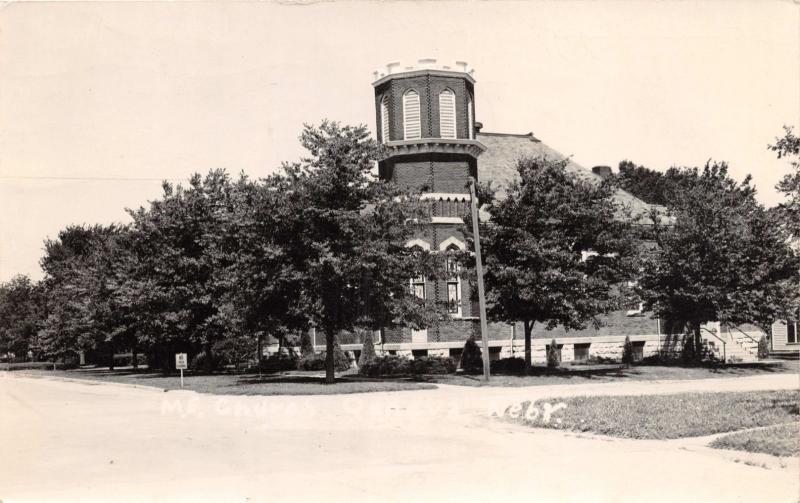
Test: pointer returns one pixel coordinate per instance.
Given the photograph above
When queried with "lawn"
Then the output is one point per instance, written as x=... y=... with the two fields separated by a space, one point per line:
x=780 y=440
x=662 y=416
x=293 y=383
x=579 y=374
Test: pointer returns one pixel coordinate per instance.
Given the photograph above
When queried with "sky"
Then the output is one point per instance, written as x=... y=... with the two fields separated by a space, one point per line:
x=99 y=102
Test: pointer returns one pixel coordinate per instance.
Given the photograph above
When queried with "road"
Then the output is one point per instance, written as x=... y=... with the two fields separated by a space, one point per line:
x=79 y=441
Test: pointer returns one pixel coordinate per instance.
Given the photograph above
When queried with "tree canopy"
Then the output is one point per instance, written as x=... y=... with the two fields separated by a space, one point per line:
x=555 y=249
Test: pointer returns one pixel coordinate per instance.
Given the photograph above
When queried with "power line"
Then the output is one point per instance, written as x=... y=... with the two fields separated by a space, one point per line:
x=94 y=178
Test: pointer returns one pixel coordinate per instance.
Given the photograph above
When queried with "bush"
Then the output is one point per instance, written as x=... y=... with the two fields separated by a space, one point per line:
x=367 y=351
x=471 y=357
x=433 y=365
x=280 y=362
x=392 y=365
x=388 y=365
x=508 y=365
x=553 y=356
x=763 y=348
x=627 y=351
x=316 y=362
x=206 y=362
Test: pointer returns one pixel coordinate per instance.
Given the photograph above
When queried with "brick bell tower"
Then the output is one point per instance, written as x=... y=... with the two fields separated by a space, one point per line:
x=426 y=119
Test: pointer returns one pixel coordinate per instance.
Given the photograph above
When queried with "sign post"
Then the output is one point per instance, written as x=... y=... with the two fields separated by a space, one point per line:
x=181 y=364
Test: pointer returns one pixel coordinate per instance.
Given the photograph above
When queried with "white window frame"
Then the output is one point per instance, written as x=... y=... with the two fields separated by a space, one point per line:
x=470 y=119
x=454 y=135
x=414 y=282
x=406 y=97
x=385 y=137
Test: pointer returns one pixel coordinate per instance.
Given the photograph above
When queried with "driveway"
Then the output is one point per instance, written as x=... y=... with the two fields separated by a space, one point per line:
x=80 y=441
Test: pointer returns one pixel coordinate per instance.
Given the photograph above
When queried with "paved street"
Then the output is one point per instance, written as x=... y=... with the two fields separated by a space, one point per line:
x=78 y=441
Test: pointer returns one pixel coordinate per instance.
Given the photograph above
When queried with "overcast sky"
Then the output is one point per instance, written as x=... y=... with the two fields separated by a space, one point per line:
x=116 y=97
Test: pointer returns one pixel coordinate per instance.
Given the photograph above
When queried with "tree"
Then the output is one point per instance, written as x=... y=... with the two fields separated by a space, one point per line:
x=172 y=283
x=471 y=357
x=555 y=248
x=348 y=237
x=724 y=258
x=789 y=211
x=19 y=316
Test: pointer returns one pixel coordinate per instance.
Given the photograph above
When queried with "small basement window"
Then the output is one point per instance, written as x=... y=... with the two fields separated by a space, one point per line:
x=581 y=352
x=494 y=353
x=455 y=353
x=418 y=353
x=638 y=350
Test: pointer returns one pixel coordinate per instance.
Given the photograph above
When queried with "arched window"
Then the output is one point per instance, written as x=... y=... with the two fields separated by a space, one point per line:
x=411 y=117
x=447 y=114
x=385 y=119
x=453 y=282
x=470 y=120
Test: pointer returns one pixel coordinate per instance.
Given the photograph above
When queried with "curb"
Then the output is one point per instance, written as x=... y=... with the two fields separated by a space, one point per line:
x=88 y=382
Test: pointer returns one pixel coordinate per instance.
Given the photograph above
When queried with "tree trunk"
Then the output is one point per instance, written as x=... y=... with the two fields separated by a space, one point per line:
x=111 y=357
x=259 y=347
x=135 y=358
x=697 y=342
x=330 y=371
x=528 y=330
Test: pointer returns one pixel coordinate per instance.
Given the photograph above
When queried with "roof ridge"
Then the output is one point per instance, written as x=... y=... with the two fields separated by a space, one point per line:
x=514 y=135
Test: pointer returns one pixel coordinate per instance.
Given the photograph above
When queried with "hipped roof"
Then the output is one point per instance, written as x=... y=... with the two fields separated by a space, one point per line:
x=498 y=165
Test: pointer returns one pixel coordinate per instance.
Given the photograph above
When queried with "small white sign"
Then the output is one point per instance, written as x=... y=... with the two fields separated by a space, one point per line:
x=181 y=361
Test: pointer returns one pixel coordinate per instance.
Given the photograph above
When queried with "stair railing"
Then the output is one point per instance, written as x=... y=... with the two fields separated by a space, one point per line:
x=743 y=333
x=724 y=353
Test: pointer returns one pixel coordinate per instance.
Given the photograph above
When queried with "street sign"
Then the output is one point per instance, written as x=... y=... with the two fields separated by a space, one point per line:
x=181 y=361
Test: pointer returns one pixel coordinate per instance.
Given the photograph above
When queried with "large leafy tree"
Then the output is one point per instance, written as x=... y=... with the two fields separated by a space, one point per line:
x=19 y=315
x=788 y=147
x=555 y=249
x=171 y=283
x=348 y=233
x=255 y=274
x=723 y=258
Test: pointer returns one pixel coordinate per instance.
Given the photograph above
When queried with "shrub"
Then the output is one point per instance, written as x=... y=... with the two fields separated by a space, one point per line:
x=206 y=361
x=316 y=362
x=627 y=351
x=508 y=365
x=432 y=365
x=553 y=356
x=392 y=365
x=471 y=357
x=279 y=362
x=367 y=351
x=763 y=348
x=388 y=365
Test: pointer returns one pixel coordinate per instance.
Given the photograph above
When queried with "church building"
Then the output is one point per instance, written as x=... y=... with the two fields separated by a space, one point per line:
x=426 y=117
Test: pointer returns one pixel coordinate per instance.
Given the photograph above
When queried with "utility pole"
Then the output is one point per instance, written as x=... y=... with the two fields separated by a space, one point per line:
x=479 y=270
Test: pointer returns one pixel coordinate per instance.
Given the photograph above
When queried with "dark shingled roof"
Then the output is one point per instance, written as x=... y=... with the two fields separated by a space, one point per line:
x=498 y=165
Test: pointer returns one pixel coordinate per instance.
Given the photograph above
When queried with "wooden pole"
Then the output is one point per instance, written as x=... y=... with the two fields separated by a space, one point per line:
x=479 y=271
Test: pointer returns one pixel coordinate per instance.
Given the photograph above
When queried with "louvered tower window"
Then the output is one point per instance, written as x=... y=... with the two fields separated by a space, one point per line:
x=411 y=119
x=470 y=120
x=385 y=119
x=447 y=114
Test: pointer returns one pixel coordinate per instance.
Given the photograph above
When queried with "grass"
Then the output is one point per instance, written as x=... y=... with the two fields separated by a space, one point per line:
x=579 y=374
x=780 y=440
x=293 y=383
x=667 y=416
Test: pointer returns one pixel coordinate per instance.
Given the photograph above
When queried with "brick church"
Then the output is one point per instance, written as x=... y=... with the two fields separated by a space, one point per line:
x=426 y=118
